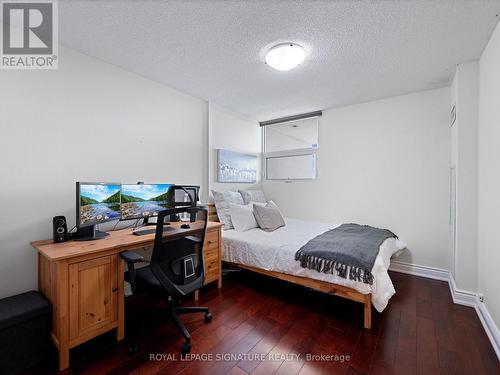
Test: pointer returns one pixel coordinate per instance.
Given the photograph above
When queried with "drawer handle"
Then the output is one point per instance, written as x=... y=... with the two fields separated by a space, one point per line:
x=114 y=290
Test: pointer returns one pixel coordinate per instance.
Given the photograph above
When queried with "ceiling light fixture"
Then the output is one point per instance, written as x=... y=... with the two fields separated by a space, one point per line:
x=285 y=56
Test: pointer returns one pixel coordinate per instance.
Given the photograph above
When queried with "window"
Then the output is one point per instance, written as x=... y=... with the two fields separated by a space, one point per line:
x=290 y=149
x=293 y=167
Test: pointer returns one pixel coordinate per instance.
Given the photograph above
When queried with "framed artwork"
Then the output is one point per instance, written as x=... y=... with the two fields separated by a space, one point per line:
x=236 y=167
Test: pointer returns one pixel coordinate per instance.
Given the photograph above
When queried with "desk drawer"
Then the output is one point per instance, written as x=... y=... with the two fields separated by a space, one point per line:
x=211 y=253
x=211 y=240
x=211 y=269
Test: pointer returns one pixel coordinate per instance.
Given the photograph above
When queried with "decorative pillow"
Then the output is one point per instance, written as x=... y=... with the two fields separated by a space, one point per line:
x=250 y=196
x=222 y=200
x=268 y=217
x=242 y=217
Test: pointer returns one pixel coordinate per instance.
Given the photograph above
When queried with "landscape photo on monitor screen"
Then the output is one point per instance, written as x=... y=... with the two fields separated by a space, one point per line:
x=143 y=200
x=99 y=202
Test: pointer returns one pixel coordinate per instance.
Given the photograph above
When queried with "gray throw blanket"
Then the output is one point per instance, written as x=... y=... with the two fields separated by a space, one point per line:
x=350 y=247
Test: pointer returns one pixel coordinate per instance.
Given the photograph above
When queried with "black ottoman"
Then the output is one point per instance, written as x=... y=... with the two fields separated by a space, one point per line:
x=25 y=322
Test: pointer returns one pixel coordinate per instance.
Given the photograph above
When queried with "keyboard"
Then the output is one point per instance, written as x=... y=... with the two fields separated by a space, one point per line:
x=150 y=231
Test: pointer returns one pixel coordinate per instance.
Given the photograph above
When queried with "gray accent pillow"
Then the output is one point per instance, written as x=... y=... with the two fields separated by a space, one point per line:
x=250 y=196
x=222 y=200
x=268 y=217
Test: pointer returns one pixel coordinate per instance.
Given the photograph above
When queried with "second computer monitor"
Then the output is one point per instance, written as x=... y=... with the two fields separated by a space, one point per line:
x=143 y=200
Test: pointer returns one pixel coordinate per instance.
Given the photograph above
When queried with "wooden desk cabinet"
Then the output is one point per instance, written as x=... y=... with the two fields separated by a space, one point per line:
x=84 y=282
x=212 y=256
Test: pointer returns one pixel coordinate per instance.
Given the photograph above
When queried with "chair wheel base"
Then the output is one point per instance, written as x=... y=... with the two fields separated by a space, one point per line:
x=132 y=349
x=208 y=317
x=186 y=348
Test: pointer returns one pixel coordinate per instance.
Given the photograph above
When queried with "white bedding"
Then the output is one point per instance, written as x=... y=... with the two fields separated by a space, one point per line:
x=275 y=251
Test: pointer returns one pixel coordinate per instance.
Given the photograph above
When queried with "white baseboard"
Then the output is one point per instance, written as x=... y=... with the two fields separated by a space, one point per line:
x=489 y=325
x=423 y=271
x=460 y=297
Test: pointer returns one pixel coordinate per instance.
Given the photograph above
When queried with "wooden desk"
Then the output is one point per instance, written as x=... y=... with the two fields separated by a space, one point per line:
x=84 y=282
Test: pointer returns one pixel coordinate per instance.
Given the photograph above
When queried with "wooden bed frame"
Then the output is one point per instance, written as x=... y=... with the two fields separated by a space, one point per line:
x=330 y=288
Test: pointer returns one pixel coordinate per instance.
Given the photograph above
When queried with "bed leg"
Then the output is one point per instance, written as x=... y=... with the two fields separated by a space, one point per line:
x=368 y=311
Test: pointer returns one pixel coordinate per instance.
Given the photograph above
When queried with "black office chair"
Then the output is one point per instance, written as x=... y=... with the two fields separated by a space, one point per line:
x=176 y=267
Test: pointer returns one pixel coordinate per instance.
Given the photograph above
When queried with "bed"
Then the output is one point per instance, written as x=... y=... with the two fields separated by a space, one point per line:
x=272 y=254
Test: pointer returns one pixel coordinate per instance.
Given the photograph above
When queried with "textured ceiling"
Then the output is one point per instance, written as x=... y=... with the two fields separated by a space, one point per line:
x=357 y=50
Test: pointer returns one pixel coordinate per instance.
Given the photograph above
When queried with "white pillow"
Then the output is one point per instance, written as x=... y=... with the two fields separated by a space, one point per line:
x=250 y=196
x=222 y=200
x=242 y=217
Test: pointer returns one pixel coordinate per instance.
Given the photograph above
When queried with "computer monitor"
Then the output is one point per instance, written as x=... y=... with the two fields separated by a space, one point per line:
x=96 y=203
x=143 y=200
x=177 y=195
x=182 y=196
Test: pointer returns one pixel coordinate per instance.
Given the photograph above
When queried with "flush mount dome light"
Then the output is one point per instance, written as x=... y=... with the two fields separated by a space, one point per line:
x=285 y=56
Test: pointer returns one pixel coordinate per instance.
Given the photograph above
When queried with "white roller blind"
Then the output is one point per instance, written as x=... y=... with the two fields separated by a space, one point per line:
x=302 y=134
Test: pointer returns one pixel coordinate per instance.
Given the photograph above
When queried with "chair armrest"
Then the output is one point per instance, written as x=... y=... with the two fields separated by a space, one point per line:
x=193 y=239
x=131 y=257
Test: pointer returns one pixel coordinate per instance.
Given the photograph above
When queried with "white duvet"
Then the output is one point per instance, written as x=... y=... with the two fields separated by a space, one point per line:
x=275 y=251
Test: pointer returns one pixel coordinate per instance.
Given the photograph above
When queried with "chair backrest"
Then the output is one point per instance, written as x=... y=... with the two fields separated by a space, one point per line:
x=177 y=260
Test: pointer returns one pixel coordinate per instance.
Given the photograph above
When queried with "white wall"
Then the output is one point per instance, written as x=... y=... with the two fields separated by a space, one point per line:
x=464 y=139
x=86 y=121
x=384 y=163
x=231 y=131
x=489 y=176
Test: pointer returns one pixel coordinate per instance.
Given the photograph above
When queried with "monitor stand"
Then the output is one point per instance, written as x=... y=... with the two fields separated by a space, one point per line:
x=146 y=223
x=89 y=234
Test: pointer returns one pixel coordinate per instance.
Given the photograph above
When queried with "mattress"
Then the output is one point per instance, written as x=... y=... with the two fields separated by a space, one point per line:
x=275 y=251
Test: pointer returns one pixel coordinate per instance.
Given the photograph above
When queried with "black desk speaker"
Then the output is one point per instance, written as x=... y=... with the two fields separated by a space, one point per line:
x=60 y=233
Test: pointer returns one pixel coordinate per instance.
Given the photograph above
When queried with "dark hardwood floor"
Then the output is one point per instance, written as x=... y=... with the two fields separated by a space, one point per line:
x=420 y=332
